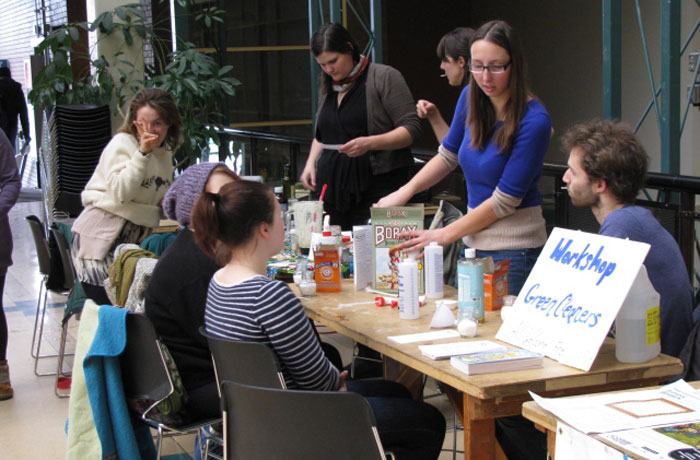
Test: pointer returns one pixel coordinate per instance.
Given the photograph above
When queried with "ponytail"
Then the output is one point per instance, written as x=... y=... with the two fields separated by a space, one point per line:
x=205 y=223
x=225 y=220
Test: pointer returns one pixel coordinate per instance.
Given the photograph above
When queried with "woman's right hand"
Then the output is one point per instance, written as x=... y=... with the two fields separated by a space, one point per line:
x=397 y=198
x=147 y=140
x=425 y=109
x=308 y=176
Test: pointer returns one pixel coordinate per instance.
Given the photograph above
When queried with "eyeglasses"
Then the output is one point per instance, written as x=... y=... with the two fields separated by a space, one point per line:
x=493 y=68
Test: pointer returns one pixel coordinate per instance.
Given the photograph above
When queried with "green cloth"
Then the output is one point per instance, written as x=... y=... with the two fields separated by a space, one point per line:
x=121 y=272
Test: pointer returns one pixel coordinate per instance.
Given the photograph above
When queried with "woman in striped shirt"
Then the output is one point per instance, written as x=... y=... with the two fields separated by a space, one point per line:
x=241 y=227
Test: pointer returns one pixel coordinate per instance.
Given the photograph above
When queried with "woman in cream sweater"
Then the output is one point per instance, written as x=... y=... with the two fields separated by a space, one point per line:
x=122 y=197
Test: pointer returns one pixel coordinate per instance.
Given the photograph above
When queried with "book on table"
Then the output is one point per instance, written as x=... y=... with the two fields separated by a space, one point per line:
x=446 y=350
x=484 y=363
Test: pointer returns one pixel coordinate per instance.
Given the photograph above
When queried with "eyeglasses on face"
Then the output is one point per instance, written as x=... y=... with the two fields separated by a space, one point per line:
x=493 y=68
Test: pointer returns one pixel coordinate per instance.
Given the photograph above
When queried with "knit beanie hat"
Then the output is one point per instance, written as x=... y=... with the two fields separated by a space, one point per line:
x=180 y=197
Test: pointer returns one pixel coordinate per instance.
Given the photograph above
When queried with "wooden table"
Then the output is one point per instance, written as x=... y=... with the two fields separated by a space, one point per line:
x=481 y=398
x=547 y=422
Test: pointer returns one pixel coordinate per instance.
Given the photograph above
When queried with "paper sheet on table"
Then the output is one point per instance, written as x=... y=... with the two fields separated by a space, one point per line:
x=674 y=403
x=574 y=445
x=331 y=146
x=676 y=441
x=424 y=336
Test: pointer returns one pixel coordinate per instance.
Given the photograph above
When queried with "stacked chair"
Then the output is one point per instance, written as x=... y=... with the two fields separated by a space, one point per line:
x=76 y=136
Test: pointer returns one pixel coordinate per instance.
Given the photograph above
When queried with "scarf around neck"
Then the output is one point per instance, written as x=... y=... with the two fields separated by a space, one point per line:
x=347 y=82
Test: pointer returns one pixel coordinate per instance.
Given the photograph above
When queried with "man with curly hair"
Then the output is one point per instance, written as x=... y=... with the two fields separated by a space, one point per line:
x=607 y=169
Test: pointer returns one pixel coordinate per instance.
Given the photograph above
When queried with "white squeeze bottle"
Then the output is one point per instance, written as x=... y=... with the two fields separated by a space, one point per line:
x=638 y=323
x=433 y=271
x=408 y=289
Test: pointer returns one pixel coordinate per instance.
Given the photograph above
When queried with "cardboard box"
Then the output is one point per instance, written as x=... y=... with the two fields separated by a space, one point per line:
x=387 y=224
x=496 y=286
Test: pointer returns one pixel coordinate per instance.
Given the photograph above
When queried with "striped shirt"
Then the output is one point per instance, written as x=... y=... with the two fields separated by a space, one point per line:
x=267 y=311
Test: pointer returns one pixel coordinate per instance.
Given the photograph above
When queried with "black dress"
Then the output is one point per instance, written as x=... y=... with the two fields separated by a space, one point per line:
x=352 y=188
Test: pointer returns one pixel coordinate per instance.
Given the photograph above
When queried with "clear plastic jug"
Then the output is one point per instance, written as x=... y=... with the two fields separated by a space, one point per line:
x=638 y=323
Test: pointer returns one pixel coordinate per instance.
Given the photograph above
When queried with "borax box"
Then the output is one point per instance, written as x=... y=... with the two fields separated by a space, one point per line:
x=387 y=224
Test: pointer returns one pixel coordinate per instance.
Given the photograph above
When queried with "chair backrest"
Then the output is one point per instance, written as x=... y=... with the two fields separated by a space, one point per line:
x=264 y=423
x=249 y=363
x=144 y=372
x=66 y=261
x=41 y=244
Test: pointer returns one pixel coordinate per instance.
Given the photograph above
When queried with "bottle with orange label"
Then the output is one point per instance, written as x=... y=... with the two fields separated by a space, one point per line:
x=327 y=262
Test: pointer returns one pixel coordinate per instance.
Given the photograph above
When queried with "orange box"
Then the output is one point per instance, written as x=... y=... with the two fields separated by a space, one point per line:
x=327 y=269
x=496 y=286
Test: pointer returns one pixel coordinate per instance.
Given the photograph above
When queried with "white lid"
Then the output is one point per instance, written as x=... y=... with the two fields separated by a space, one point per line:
x=433 y=243
x=470 y=253
x=278 y=189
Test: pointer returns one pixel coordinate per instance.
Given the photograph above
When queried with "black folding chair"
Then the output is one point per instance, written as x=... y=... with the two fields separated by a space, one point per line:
x=265 y=423
x=70 y=311
x=146 y=378
x=249 y=363
x=44 y=258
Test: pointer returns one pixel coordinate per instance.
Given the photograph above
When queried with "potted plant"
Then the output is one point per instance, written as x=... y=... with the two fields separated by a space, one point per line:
x=197 y=81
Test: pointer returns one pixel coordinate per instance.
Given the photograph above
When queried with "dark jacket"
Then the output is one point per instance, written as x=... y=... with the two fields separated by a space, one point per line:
x=10 y=186
x=175 y=299
x=389 y=105
x=13 y=104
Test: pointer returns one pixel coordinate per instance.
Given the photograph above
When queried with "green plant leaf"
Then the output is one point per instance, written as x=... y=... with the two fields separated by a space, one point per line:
x=128 y=38
x=107 y=25
x=119 y=11
x=141 y=30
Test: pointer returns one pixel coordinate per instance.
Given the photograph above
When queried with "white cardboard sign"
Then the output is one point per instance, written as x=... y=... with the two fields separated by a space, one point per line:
x=572 y=296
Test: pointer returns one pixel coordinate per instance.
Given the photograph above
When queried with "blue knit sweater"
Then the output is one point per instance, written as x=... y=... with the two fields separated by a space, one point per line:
x=515 y=173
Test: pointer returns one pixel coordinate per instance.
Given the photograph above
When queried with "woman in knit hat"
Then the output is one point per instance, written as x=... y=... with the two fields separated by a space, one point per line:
x=177 y=290
x=122 y=197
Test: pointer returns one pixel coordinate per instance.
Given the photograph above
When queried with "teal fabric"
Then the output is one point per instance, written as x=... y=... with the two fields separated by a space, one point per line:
x=118 y=436
x=65 y=230
x=157 y=243
x=75 y=302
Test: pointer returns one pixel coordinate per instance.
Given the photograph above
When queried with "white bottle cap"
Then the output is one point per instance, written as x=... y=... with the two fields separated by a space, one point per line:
x=470 y=253
x=433 y=243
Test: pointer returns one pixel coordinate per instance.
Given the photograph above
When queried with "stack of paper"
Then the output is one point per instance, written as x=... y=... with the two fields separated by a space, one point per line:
x=446 y=350
x=483 y=363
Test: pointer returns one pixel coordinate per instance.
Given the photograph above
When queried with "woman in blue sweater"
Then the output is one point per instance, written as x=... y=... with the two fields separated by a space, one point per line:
x=499 y=136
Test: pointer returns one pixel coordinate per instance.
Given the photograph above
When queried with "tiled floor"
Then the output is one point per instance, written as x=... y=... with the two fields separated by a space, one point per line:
x=33 y=422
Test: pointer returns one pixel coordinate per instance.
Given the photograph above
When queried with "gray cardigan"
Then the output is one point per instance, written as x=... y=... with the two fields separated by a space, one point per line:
x=10 y=186
x=389 y=105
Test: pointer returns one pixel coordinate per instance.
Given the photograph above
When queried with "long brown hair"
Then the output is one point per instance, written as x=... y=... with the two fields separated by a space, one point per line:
x=162 y=102
x=482 y=115
x=224 y=220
